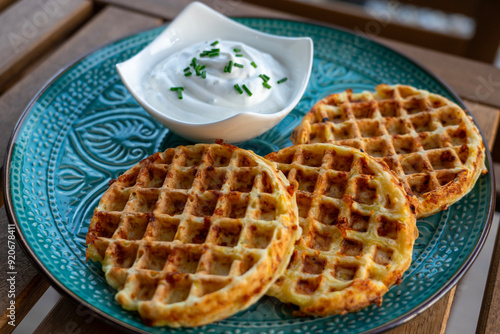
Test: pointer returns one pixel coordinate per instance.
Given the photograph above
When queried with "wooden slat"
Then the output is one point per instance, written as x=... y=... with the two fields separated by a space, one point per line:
x=432 y=321
x=169 y=9
x=24 y=302
x=353 y=17
x=487 y=119
x=68 y=314
x=484 y=45
x=24 y=267
x=466 y=7
x=489 y=318
x=5 y=3
x=30 y=27
x=108 y=25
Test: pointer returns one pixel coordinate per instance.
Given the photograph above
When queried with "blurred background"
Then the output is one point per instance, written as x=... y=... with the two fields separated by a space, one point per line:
x=466 y=28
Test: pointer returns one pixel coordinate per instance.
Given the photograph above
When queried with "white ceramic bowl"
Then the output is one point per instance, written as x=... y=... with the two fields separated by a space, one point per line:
x=198 y=23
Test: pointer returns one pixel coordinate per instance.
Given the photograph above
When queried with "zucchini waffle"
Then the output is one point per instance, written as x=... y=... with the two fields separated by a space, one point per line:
x=430 y=143
x=194 y=234
x=358 y=229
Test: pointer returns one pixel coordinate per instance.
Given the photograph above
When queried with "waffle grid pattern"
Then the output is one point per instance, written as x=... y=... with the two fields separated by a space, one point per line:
x=428 y=141
x=188 y=223
x=357 y=229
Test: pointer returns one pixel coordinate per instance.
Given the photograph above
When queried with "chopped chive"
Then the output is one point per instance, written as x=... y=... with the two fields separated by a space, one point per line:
x=214 y=43
x=282 y=80
x=178 y=90
x=266 y=85
x=264 y=77
x=238 y=65
x=238 y=55
x=188 y=73
x=198 y=70
x=193 y=62
x=204 y=54
x=237 y=50
x=204 y=74
x=225 y=69
x=238 y=88
x=254 y=64
x=247 y=90
x=213 y=54
x=186 y=69
x=215 y=50
x=230 y=66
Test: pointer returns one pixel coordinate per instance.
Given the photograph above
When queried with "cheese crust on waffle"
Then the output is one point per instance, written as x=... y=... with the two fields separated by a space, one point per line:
x=358 y=230
x=194 y=234
x=430 y=143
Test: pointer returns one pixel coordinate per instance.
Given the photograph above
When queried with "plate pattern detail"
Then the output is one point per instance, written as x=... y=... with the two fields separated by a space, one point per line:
x=85 y=129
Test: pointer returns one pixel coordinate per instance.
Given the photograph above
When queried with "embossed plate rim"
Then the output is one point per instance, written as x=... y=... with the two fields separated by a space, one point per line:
x=115 y=321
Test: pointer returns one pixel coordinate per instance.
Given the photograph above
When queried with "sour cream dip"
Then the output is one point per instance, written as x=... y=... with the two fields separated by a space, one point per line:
x=217 y=79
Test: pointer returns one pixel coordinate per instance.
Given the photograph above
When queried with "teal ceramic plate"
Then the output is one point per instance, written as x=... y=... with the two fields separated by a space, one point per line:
x=84 y=129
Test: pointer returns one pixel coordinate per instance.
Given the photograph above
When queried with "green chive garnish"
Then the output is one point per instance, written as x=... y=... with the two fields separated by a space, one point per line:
x=265 y=84
x=198 y=70
x=230 y=66
x=210 y=53
x=202 y=67
x=237 y=50
x=225 y=69
x=193 y=62
x=204 y=74
x=254 y=64
x=247 y=90
x=178 y=90
x=186 y=69
x=238 y=55
x=238 y=65
x=188 y=74
x=282 y=80
x=214 y=43
x=238 y=88
x=264 y=77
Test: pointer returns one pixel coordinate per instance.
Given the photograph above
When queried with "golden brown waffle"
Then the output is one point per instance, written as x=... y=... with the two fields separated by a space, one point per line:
x=194 y=234
x=358 y=229
x=428 y=141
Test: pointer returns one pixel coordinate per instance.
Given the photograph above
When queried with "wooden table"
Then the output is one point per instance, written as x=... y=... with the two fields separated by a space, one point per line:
x=39 y=38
